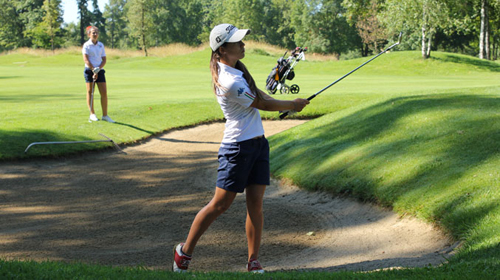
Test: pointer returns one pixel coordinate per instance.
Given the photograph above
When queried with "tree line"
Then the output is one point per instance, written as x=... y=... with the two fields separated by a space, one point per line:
x=346 y=28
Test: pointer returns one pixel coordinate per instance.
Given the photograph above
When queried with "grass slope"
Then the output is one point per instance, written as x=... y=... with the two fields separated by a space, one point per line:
x=420 y=136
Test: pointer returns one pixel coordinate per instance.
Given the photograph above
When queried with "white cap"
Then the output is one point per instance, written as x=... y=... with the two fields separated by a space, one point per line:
x=225 y=32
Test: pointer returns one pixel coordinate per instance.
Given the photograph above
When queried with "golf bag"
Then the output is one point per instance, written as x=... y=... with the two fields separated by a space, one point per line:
x=284 y=71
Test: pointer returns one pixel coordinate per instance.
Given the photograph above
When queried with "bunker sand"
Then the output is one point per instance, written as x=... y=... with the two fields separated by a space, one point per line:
x=131 y=209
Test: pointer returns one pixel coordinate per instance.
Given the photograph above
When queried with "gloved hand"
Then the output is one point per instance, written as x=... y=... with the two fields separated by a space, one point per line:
x=96 y=70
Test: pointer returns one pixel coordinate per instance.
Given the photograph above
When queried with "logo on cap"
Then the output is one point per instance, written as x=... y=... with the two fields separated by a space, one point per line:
x=218 y=39
x=229 y=28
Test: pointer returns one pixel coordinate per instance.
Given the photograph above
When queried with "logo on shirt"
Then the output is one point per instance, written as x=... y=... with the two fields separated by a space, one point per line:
x=240 y=91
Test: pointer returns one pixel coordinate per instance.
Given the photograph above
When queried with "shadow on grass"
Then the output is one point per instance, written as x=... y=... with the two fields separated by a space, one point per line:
x=481 y=63
x=135 y=127
x=9 y=77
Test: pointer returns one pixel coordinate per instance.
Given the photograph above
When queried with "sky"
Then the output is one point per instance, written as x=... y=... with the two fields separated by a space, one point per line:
x=71 y=10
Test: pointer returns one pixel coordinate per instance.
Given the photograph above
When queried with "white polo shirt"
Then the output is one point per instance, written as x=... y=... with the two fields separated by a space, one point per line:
x=95 y=52
x=242 y=121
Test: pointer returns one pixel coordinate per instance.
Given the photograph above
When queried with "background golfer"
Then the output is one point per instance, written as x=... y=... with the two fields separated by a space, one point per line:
x=94 y=57
x=244 y=151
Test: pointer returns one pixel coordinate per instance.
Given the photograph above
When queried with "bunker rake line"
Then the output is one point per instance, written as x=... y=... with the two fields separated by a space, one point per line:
x=76 y=142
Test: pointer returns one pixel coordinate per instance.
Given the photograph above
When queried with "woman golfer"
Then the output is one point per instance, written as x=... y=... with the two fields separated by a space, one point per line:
x=244 y=151
x=94 y=57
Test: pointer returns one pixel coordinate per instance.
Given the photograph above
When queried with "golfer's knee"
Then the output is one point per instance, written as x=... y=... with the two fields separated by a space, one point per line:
x=254 y=203
x=255 y=211
x=219 y=207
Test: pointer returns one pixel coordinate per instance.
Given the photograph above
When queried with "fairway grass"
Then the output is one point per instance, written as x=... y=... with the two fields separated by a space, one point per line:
x=43 y=96
x=419 y=136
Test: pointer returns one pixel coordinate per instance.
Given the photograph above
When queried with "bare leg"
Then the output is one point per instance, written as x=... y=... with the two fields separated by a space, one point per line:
x=255 y=219
x=89 y=94
x=104 y=97
x=219 y=204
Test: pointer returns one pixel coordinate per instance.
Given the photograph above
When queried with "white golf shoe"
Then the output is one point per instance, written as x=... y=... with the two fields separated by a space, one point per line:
x=108 y=119
x=93 y=118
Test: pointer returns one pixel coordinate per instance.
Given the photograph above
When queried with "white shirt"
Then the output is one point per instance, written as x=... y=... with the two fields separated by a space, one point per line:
x=94 y=52
x=242 y=121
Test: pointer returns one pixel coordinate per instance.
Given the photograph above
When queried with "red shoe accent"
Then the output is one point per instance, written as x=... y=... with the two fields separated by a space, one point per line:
x=254 y=266
x=181 y=261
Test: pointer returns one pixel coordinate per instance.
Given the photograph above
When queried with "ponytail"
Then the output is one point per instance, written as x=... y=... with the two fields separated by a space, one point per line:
x=214 y=69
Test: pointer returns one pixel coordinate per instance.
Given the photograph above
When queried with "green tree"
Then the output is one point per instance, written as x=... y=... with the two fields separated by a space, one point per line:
x=11 y=28
x=97 y=20
x=495 y=28
x=212 y=13
x=423 y=17
x=141 y=22
x=85 y=19
x=193 y=21
x=322 y=26
x=245 y=14
x=170 y=21
x=28 y=14
x=115 y=16
x=363 y=14
x=277 y=23
x=44 y=35
x=71 y=34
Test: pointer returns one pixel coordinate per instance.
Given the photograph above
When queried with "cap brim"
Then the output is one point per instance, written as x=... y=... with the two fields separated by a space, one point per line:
x=238 y=35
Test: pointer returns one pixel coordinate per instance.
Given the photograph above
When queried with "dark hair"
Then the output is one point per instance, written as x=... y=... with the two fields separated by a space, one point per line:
x=214 y=69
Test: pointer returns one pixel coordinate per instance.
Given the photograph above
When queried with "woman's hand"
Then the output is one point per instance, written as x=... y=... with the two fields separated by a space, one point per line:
x=299 y=104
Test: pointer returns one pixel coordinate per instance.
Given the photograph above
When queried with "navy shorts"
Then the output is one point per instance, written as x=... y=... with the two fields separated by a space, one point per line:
x=88 y=74
x=242 y=164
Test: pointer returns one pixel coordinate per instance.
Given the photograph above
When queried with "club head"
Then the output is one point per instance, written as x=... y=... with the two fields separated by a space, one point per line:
x=399 y=38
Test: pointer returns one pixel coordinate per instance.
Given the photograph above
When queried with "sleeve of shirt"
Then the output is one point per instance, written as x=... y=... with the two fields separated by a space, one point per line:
x=85 y=49
x=241 y=94
x=103 y=51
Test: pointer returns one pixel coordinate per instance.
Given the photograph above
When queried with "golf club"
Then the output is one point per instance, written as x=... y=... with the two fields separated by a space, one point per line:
x=284 y=114
x=92 y=98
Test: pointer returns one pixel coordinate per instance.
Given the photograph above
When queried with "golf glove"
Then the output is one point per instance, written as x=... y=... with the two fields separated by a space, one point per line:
x=96 y=70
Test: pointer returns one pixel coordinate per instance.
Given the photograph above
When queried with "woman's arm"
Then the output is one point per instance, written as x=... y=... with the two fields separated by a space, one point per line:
x=87 y=61
x=103 y=62
x=267 y=103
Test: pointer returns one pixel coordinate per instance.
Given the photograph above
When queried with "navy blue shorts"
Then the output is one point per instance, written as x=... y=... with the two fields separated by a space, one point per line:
x=242 y=164
x=88 y=74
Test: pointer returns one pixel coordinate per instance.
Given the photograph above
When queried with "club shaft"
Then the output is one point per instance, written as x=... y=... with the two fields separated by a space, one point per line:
x=282 y=116
x=92 y=96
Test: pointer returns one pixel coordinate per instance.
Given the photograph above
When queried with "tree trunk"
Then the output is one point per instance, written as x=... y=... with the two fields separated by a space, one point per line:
x=82 y=33
x=483 y=34
x=487 y=32
x=426 y=42
x=495 y=50
x=429 y=41
x=424 y=53
x=143 y=33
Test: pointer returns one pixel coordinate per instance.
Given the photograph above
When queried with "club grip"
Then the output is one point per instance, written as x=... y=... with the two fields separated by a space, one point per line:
x=282 y=116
